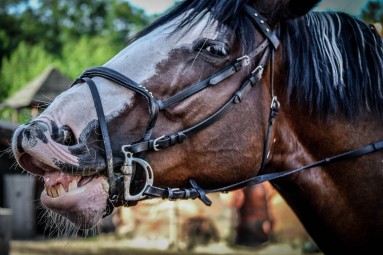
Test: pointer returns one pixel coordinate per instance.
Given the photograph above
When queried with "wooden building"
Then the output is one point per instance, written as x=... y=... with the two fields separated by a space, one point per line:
x=38 y=93
x=19 y=191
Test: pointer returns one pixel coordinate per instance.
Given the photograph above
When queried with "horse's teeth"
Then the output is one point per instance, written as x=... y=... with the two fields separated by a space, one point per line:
x=60 y=189
x=54 y=192
x=72 y=185
x=48 y=190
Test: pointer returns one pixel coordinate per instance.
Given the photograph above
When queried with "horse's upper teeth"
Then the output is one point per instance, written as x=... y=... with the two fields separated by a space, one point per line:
x=59 y=190
x=54 y=192
x=72 y=185
x=48 y=190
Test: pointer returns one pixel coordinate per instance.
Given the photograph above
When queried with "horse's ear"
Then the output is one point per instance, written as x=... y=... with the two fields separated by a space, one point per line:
x=297 y=8
x=278 y=10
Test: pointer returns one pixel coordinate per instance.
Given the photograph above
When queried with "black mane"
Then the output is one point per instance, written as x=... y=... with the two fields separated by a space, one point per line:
x=226 y=12
x=333 y=61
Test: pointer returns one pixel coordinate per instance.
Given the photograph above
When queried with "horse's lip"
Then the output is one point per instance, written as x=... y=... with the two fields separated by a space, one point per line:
x=84 y=206
x=33 y=165
x=39 y=167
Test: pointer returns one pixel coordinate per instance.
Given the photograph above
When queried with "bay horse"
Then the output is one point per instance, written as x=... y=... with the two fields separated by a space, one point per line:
x=217 y=95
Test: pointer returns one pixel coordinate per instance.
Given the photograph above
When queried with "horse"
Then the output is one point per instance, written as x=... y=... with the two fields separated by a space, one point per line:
x=255 y=218
x=218 y=95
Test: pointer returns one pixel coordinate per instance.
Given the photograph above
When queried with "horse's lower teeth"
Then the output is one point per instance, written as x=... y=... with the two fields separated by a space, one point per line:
x=59 y=190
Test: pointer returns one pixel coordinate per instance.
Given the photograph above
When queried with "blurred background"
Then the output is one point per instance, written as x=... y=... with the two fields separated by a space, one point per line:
x=46 y=44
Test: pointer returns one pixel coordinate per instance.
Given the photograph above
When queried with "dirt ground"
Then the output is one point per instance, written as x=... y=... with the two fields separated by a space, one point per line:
x=150 y=235
x=112 y=246
x=149 y=228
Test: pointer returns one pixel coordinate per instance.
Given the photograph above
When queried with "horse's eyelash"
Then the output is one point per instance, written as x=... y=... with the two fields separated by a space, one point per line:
x=213 y=45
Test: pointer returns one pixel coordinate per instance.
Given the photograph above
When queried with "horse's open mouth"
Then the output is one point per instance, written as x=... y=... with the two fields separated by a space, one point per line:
x=62 y=189
x=81 y=199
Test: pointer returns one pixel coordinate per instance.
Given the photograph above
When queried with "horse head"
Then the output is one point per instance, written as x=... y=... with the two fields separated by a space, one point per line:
x=117 y=131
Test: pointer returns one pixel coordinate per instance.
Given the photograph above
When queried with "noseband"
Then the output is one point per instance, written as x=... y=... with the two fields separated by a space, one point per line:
x=132 y=165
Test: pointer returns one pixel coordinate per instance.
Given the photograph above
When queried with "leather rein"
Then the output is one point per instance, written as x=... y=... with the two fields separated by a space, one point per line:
x=148 y=143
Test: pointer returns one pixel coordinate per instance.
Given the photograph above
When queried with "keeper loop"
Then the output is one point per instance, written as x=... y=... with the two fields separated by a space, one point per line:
x=201 y=193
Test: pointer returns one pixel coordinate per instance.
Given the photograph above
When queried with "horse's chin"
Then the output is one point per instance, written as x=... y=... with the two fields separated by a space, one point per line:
x=84 y=205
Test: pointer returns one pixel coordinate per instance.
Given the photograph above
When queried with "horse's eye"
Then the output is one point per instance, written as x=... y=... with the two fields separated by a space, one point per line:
x=213 y=48
x=217 y=50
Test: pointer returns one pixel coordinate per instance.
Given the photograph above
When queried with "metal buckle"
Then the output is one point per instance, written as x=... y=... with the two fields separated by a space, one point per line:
x=258 y=72
x=275 y=105
x=244 y=59
x=155 y=144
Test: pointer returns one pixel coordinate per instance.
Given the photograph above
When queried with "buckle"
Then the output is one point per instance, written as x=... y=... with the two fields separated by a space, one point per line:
x=155 y=143
x=275 y=105
x=258 y=72
x=244 y=59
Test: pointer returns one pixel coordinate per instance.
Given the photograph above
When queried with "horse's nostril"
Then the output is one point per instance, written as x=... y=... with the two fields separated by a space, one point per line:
x=27 y=133
x=65 y=136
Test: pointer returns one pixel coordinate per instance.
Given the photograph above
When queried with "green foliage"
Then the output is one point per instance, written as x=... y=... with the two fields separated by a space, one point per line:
x=9 y=30
x=373 y=12
x=86 y=52
x=25 y=63
x=32 y=60
x=71 y=35
x=10 y=115
x=56 y=22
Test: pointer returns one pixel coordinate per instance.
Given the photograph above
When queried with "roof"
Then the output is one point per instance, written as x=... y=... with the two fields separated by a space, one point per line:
x=40 y=91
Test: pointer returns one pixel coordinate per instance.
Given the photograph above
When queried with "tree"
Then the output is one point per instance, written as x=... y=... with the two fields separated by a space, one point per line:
x=9 y=31
x=373 y=12
x=55 y=23
x=85 y=52
x=25 y=63
x=80 y=32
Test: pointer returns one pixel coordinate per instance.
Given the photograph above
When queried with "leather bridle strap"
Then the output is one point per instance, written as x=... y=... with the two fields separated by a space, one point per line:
x=367 y=149
x=104 y=132
x=261 y=23
x=197 y=192
x=215 y=79
x=124 y=81
x=146 y=143
x=274 y=108
x=166 y=141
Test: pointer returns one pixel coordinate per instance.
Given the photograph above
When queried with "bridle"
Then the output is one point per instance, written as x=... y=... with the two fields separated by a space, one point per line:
x=135 y=152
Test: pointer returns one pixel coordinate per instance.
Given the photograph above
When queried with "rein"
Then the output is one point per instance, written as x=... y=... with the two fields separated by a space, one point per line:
x=132 y=165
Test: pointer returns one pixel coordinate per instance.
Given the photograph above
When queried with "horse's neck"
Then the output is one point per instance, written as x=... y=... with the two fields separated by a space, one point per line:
x=301 y=139
x=332 y=199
